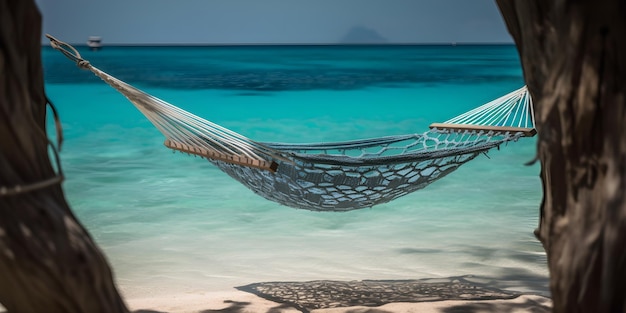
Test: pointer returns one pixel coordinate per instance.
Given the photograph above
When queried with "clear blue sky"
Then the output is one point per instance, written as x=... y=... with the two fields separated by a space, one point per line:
x=274 y=21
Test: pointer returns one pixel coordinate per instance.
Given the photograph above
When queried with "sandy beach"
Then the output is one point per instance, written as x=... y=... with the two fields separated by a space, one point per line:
x=238 y=301
x=444 y=295
x=448 y=295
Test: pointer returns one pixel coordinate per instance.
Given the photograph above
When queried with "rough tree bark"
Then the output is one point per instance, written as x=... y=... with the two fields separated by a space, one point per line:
x=48 y=262
x=573 y=54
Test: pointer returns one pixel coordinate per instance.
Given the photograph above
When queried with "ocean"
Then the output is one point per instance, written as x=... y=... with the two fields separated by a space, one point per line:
x=172 y=223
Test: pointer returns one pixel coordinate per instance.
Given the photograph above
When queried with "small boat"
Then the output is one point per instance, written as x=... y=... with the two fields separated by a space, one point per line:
x=94 y=42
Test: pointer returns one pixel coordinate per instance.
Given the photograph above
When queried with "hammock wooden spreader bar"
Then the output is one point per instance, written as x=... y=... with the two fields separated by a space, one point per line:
x=527 y=132
x=511 y=113
x=216 y=155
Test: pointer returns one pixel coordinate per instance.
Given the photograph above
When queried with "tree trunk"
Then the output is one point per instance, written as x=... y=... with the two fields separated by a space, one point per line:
x=573 y=54
x=48 y=262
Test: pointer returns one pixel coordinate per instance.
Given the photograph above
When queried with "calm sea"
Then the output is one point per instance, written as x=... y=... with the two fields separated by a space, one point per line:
x=173 y=223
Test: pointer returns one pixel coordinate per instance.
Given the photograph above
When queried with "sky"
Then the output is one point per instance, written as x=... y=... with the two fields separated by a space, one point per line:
x=274 y=21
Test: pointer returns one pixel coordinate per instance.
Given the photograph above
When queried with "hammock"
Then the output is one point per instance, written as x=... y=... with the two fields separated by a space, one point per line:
x=337 y=176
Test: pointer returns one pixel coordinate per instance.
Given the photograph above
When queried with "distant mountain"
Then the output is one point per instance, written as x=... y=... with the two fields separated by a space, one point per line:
x=362 y=35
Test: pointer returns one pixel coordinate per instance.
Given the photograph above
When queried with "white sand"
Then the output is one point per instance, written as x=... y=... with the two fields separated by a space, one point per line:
x=243 y=302
x=199 y=302
x=239 y=301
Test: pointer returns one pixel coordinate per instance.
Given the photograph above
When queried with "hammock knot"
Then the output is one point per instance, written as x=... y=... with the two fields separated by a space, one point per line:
x=69 y=51
x=83 y=64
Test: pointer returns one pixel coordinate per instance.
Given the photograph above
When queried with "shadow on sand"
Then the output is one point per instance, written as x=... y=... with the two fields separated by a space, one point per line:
x=369 y=295
x=541 y=305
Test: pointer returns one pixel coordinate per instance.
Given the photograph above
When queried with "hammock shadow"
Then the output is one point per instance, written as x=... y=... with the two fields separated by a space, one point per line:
x=367 y=296
x=541 y=305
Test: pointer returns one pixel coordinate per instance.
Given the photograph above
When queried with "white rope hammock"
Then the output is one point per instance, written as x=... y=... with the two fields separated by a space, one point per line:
x=338 y=176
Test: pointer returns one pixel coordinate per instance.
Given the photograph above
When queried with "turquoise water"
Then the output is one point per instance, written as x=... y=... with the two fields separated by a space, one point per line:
x=173 y=223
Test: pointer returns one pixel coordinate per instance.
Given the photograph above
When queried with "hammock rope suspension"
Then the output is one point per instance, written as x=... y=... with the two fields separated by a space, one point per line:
x=337 y=176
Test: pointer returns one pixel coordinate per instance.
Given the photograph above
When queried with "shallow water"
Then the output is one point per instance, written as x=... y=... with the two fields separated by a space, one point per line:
x=169 y=222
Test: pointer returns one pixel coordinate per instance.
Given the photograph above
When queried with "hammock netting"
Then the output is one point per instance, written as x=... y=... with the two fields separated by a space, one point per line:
x=337 y=176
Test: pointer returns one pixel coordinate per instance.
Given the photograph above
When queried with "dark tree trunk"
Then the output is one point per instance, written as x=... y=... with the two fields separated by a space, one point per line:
x=573 y=54
x=48 y=262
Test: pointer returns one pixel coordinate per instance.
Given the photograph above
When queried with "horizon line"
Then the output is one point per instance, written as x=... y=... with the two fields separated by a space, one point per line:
x=293 y=44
